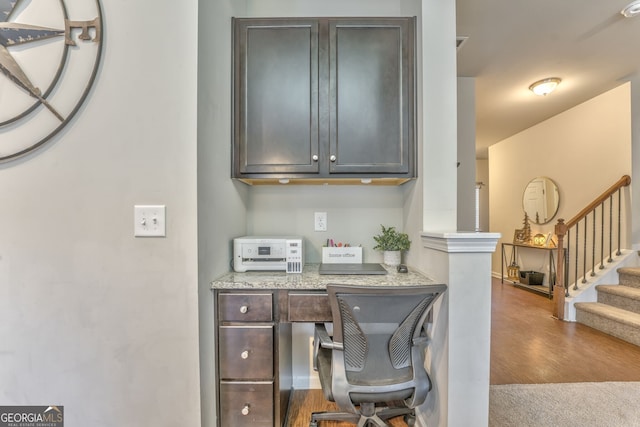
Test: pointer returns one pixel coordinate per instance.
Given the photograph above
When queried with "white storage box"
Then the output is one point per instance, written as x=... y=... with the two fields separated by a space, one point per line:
x=342 y=255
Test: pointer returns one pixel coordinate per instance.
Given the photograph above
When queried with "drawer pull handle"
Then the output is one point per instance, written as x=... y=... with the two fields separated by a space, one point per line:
x=245 y=409
x=245 y=354
x=244 y=309
x=315 y=157
x=332 y=158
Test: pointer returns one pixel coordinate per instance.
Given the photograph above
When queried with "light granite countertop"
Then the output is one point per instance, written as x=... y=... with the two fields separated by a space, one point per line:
x=311 y=279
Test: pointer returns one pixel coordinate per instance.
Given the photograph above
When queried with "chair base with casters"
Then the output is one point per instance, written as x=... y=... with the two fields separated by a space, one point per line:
x=369 y=415
x=373 y=367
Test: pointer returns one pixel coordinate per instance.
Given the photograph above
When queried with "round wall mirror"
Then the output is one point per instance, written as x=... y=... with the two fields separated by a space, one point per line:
x=541 y=200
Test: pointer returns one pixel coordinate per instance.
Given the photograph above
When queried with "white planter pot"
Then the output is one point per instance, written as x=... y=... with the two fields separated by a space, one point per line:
x=392 y=258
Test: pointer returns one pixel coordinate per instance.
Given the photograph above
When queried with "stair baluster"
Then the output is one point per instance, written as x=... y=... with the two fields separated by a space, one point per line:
x=619 y=219
x=584 y=251
x=593 y=246
x=602 y=237
x=577 y=260
x=610 y=227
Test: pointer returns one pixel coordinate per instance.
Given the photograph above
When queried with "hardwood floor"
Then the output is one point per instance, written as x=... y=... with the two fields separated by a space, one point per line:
x=304 y=402
x=528 y=346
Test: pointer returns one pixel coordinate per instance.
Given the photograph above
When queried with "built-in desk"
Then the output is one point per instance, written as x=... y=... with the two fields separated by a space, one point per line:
x=253 y=316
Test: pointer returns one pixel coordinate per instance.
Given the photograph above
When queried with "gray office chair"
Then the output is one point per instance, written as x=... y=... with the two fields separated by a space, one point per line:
x=373 y=367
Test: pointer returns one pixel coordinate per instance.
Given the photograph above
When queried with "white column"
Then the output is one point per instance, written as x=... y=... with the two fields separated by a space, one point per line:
x=460 y=354
x=438 y=99
x=635 y=160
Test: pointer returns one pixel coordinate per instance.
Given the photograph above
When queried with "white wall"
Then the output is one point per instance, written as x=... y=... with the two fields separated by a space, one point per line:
x=482 y=175
x=90 y=317
x=466 y=155
x=635 y=159
x=584 y=150
x=431 y=203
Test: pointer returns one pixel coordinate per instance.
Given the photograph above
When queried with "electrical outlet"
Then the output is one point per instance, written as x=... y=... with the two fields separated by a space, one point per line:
x=320 y=221
x=149 y=221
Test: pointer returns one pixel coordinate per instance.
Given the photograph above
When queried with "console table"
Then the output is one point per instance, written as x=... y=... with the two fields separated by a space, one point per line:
x=551 y=268
x=253 y=316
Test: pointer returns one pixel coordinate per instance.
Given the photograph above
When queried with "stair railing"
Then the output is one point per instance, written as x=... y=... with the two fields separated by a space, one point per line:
x=581 y=242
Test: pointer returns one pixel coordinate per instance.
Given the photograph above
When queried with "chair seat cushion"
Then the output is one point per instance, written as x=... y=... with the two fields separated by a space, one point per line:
x=389 y=396
x=324 y=372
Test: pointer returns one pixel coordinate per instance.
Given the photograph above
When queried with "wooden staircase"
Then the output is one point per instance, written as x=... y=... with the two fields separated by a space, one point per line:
x=617 y=311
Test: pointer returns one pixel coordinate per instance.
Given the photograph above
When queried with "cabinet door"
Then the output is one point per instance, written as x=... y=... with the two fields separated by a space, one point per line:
x=275 y=96
x=371 y=94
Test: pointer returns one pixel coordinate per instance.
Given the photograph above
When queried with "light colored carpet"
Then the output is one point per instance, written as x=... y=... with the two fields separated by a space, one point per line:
x=607 y=404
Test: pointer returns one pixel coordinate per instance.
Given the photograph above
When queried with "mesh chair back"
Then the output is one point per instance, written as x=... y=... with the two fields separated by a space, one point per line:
x=376 y=326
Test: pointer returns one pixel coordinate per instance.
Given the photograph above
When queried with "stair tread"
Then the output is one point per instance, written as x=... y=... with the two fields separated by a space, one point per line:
x=622 y=290
x=611 y=312
x=629 y=276
x=631 y=271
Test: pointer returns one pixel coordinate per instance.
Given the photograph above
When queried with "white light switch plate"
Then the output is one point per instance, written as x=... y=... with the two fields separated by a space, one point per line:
x=149 y=221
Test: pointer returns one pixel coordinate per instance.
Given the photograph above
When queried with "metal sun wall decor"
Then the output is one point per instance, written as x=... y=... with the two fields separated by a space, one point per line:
x=49 y=56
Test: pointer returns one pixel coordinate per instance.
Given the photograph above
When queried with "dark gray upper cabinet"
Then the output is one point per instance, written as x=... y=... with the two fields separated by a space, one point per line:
x=324 y=98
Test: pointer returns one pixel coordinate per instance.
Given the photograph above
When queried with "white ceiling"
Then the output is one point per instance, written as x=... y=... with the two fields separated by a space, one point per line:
x=513 y=43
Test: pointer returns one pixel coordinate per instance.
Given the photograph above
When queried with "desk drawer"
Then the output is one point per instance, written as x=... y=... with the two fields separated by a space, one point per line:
x=238 y=307
x=246 y=404
x=246 y=352
x=309 y=307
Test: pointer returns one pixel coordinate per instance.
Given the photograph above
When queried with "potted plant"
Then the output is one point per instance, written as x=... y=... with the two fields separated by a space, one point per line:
x=392 y=243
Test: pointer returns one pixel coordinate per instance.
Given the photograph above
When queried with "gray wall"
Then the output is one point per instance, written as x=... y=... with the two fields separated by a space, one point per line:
x=104 y=323
x=222 y=203
x=354 y=214
x=90 y=317
x=228 y=209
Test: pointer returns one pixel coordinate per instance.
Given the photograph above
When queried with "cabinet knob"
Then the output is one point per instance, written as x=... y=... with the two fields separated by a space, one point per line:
x=332 y=158
x=315 y=157
x=245 y=354
x=244 y=309
x=245 y=409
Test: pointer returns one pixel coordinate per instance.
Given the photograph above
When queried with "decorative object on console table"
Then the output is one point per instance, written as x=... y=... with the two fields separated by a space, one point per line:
x=519 y=237
x=549 y=242
x=513 y=272
x=526 y=229
x=531 y=278
x=539 y=240
x=392 y=243
x=522 y=236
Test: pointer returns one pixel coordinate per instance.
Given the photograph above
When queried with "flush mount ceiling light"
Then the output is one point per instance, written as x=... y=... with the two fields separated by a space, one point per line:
x=545 y=86
x=632 y=9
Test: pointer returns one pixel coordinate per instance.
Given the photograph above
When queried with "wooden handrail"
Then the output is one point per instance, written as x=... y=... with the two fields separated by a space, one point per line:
x=622 y=182
x=561 y=230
